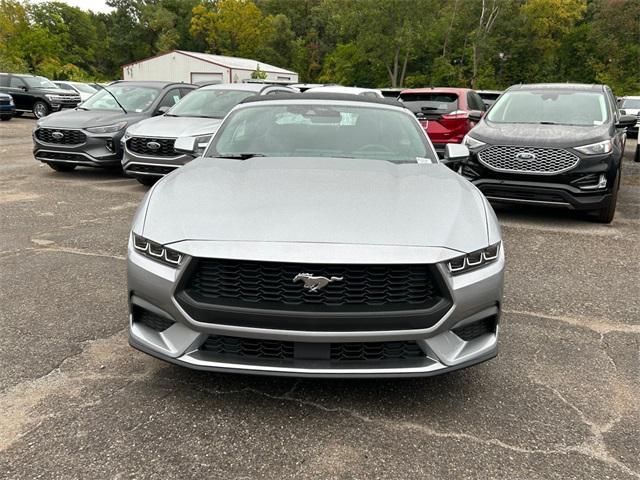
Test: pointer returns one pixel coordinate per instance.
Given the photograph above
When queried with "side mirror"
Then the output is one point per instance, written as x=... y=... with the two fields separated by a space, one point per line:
x=162 y=110
x=475 y=115
x=623 y=112
x=185 y=145
x=454 y=154
x=24 y=89
x=627 y=121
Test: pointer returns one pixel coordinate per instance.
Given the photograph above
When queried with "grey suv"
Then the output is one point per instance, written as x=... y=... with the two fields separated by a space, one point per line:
x=89 y=135
x=148 y=145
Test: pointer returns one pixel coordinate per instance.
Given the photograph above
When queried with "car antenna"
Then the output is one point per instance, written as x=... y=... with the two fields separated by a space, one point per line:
x=114 y=97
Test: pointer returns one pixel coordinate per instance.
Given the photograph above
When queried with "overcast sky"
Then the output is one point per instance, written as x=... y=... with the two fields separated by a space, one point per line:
x=95 y=5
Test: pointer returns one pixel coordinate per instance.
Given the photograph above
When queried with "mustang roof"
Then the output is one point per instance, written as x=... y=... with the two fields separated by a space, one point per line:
x=343 y=97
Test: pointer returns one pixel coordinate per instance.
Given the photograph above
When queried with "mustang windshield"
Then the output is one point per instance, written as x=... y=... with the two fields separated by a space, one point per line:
x=132 y=98
x=563 y=107
x=209 y=103
x=321 y=129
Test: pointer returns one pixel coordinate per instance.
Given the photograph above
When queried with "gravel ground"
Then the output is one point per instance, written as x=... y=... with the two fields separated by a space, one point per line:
x=559 y=402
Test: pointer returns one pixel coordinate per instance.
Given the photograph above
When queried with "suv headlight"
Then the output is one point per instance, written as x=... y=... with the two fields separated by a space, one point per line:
x=52 y=97
x=11 y=102
x=202 y=141
x=156 y=251
x=471 y=143
x=596 y=148
x=473 y=260
x=116 y=127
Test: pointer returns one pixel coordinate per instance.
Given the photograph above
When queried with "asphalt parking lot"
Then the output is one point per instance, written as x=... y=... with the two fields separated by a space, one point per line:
x=559 y=402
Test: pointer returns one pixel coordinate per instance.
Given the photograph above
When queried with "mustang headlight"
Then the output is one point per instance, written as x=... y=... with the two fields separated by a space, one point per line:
x=473 y=260
x=116 y=127
x=471 y=143
x=596 y=148
x=156 y=251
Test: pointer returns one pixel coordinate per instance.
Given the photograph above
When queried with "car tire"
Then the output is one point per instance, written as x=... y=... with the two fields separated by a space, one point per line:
x=148 y=181
x=6 y=118
x=62 y=167
x=40 y=109
x=606 y=214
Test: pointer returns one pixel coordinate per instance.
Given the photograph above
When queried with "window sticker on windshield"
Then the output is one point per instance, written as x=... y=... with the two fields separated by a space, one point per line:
x=138 y=110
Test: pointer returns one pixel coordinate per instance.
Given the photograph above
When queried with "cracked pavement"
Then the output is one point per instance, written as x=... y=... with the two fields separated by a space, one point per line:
x=559 y=402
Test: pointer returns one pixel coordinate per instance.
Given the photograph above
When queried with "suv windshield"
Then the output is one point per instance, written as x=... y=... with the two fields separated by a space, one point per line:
x=209 y=103
x=133 y=98
x=563 y=107
x=631 y=103
x=83 y=87
x=321 y=129
x=39 y=82
x=430 y=103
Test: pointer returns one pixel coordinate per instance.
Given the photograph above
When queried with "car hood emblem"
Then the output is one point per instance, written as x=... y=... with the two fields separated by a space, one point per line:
x=57 y=135
x=526 y=156
x=313 y=283
x=153 y=145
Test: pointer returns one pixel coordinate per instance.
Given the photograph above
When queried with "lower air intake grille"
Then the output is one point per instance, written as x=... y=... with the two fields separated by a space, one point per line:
x=529 y=160
x=151 y=320
x=476 y=329
x=375 y=351
x=248 y=348
x=271 y=285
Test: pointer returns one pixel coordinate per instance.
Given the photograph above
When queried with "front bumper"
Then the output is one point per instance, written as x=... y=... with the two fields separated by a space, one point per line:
x=137 y=165
x=579 y=188
x=97 y=150
x=476 y=297
x=7 y=110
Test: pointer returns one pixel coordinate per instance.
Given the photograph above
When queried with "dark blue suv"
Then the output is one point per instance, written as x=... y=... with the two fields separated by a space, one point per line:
x=7 y=107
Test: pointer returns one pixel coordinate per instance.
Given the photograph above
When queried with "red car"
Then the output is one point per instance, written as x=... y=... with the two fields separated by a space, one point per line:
x=446 y=114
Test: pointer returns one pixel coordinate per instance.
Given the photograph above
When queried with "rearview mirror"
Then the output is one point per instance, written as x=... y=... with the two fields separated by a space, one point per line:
x=627 y=121
x=475 y=115
x=185 y=145
x=454 y=154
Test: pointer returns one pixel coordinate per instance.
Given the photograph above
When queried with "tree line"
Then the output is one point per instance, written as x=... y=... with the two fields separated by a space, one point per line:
x=487 y=44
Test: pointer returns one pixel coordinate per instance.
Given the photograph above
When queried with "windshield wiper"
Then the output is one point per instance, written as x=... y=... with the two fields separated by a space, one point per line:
x=547 y=123
x=81 y=108
x=170 y=115
x=114 y=97
x=240 y=156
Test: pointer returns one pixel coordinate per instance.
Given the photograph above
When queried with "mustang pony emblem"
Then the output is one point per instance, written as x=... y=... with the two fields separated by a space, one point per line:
x=312 y=283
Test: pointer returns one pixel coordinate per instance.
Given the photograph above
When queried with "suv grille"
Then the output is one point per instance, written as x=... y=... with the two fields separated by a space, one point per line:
x=271 y=285
x=141 y=145
x=517 y=159
x=52 y=135
x=251 y=349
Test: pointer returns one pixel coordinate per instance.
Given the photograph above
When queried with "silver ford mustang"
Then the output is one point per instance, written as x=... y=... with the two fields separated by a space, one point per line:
x=319 y=235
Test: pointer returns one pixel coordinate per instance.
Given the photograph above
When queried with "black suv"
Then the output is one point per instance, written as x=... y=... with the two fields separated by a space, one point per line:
x=550 y=144
x=90 y=134
x=38 y=95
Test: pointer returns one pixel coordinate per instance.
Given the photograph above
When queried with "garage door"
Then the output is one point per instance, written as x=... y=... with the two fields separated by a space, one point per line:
x=206 y=77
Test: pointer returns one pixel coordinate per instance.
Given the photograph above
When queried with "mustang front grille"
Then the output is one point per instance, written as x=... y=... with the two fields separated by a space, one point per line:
x=62 y=137
x=528 y=160
x=278 y=285
x=154 y=147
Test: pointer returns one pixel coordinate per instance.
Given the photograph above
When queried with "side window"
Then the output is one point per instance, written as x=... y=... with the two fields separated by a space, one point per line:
x=16 y=82
x=185 y=91
x=475 y=102
x=4 y=80
x=170 y=98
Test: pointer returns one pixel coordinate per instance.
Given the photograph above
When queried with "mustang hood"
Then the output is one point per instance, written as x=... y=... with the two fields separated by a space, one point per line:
x=317 y=200
x=165 y=126
x=560 y=136
x=86 y=118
